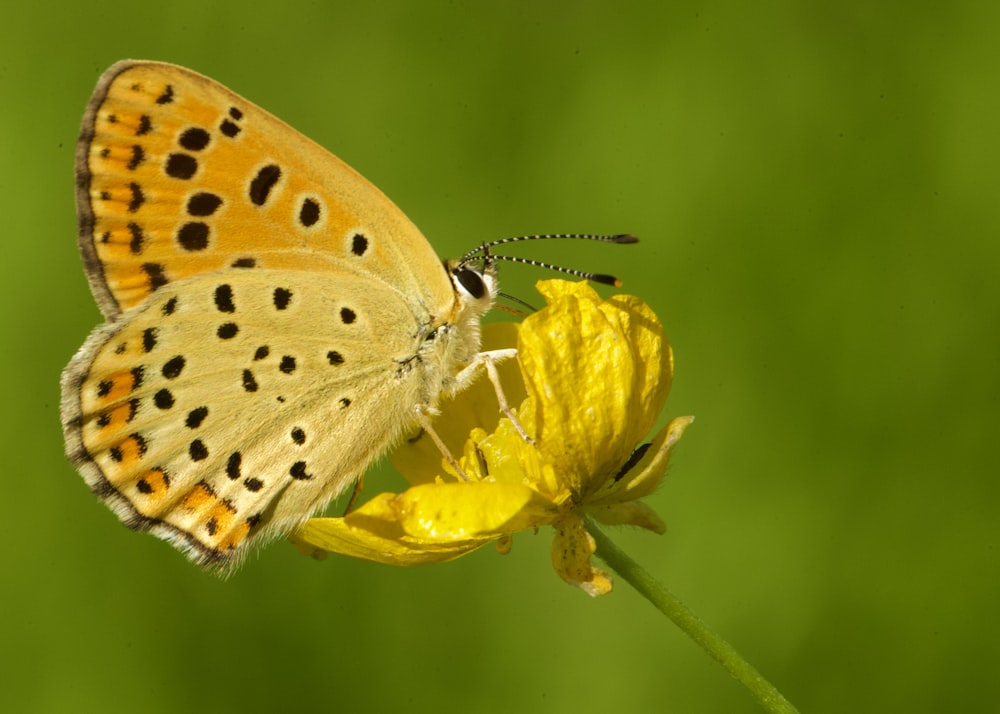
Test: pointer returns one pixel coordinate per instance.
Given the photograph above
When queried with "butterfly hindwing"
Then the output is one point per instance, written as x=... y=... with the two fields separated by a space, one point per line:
x=219 y=409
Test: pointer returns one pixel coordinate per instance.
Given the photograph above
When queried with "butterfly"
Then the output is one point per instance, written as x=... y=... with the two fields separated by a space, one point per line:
x=273 y=321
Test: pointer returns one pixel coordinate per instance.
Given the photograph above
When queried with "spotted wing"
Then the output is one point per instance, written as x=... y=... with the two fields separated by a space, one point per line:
x=231 y=406
x=178 y=176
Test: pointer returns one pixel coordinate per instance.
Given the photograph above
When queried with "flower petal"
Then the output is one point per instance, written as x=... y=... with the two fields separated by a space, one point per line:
x=443 y=512
x=431 y=523
x=372 y=533
x=598 y=372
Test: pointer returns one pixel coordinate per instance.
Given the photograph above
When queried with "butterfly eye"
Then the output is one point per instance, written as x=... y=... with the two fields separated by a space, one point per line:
x=472 y=281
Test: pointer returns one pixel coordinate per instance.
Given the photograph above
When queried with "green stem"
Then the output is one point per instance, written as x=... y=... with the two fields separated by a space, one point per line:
x=667 y=603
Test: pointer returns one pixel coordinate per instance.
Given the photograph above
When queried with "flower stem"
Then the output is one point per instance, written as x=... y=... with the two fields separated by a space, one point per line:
x=667 y=603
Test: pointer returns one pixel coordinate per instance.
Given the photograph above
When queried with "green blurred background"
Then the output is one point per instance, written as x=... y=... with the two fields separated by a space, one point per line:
x=815 y=188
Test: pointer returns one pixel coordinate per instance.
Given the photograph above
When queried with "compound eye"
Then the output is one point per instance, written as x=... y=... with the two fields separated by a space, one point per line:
x=472 y=281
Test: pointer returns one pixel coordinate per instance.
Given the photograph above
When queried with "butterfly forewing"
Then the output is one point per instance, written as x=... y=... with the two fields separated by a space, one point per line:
x=177 y=176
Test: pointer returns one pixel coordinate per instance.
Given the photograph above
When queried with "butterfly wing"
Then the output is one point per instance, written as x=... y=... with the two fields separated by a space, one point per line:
x=222 y=409
x=179 y=176
x=273 y=319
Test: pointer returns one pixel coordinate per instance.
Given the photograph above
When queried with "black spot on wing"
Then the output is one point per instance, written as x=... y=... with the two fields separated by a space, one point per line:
x=169 y=306
x=163 y=399
x=138 y=238
x=197 y=450
x=282 y=297
x=309 y=212
x=194 y=139
x=195 y=417
x=298 y=471
x=167 y=96
x=157 y=279
x=174 y=366
x=203 y=204
x=138 y=156
x=181 y=166
x=263 y=182
x=227 y=330
x=224 y=298
x=193 y=236
x=233 y=465
x=149 y=339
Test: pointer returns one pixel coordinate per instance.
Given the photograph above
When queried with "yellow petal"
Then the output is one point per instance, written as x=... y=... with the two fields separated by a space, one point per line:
x=572 y=549
x=431 y=523
x=599 y=373
x=456 y=511
x=373 y=533
x=653 y=356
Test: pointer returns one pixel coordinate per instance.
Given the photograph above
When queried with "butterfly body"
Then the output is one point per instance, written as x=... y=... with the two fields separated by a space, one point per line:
x=274 y=322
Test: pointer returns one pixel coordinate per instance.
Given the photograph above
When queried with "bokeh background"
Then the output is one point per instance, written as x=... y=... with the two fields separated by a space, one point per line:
x=815 y=187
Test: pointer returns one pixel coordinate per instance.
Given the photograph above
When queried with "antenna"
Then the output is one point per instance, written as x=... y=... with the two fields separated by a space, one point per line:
x=486 y=254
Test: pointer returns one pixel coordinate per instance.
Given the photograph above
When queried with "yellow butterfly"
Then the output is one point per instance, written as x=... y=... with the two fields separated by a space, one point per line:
x=274 y=322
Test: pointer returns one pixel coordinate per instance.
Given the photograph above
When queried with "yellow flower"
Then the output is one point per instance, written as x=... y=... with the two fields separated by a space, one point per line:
x=596 y=374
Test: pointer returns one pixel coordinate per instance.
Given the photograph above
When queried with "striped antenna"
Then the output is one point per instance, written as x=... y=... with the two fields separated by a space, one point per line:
x=485 y=253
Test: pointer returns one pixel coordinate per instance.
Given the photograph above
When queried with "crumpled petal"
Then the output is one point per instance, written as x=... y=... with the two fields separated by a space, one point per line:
x=599 y=373
x=572 y=549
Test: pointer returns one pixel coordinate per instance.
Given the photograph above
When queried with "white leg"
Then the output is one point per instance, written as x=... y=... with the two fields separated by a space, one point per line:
x=463 y=378
x=489 y=361
x=425 y=424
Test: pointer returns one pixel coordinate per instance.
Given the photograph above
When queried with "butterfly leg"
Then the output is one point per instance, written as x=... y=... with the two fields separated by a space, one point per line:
x=425 y=424
x=359 y=486
x=489 y=360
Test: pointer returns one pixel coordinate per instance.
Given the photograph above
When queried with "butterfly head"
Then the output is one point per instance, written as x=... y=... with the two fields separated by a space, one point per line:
x=474 y=279
x=475 y=285
x=452 y=339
